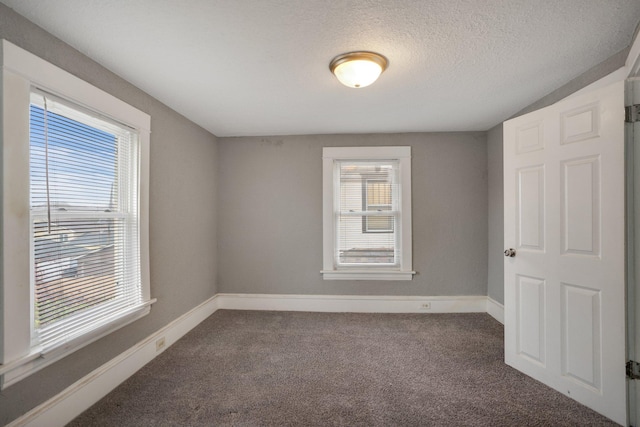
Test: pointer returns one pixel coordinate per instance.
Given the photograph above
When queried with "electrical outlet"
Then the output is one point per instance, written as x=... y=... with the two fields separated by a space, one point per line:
x=426 y=306
x=160 y=344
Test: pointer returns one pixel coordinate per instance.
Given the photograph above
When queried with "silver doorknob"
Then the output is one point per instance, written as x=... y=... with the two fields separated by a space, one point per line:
x=510 y=252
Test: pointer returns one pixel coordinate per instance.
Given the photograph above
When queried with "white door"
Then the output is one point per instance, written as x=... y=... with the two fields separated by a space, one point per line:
x=564 y=216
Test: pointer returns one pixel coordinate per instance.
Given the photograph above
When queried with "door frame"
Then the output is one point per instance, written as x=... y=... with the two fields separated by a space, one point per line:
x=632 y=155
x=632 y=147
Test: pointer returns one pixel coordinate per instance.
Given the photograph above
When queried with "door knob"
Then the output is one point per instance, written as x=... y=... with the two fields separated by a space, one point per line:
x=510 y=253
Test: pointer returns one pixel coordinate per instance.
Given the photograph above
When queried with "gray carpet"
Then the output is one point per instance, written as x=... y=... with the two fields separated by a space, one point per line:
x=251 y=368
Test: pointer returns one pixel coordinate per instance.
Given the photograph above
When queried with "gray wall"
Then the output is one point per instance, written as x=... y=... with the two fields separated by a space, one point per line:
x=182 y=218
x=495 y=279
x=495 y=258
x=270 y=215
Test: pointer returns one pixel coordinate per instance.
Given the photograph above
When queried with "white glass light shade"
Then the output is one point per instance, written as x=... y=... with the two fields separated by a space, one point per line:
x=358 y=69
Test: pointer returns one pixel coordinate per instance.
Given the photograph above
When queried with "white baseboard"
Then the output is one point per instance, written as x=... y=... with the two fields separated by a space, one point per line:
x=495 y=310
x=79 y=396
x=354 y=303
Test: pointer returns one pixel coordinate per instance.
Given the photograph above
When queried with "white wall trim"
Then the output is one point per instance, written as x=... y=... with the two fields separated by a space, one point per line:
x=79 y=396
x=354 y=303
x=495 y=310
x=366 y=275
x=632 y=63
x=630 y=69
x=75 y=399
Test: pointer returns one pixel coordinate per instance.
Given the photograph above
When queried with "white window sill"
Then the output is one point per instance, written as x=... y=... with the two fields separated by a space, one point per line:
x=16 y=370
x=366 y=275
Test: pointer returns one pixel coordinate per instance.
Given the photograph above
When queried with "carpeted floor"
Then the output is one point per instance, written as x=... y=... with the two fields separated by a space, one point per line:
x=255 y=368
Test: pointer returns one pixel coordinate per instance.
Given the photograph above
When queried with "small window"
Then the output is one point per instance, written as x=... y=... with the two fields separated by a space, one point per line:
x=367 y=213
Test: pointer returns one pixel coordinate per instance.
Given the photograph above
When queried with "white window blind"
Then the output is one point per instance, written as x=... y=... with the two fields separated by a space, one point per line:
x=84 y=220
x=367 y=213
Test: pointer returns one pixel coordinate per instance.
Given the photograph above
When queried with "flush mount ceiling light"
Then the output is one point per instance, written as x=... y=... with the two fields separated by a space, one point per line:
x=358 y=69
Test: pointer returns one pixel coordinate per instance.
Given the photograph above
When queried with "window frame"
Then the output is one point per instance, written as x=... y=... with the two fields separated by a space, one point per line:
x=21 y=73
x=331 y=270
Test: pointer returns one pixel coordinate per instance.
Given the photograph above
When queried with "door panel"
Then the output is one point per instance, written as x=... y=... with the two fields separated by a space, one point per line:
x=531 y=208
x=529 y=137
x=581 y=206
x=580 y=123
x=531 y=337
x=581 y=335
x=564 y=215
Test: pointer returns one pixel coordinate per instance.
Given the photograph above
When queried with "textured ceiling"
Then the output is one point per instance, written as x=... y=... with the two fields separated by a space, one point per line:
x=260 y=67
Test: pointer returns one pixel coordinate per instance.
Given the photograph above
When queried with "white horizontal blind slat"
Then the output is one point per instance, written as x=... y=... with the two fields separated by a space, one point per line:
x=49 y=335
x=91 y=325
x=86 y=258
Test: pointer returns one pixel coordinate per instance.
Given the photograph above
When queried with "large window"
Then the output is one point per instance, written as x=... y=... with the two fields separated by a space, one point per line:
x=367 y=213
x=83 y=185
x=76 y=266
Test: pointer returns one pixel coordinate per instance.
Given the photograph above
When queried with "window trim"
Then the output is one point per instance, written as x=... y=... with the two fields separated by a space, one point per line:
x=21 y=72
x=330 y=270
